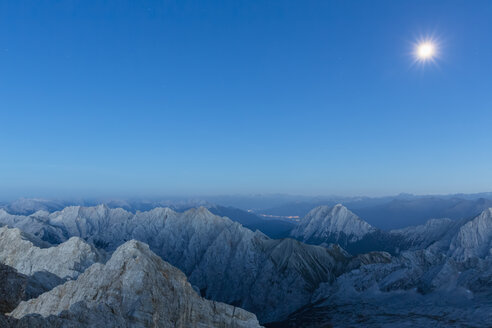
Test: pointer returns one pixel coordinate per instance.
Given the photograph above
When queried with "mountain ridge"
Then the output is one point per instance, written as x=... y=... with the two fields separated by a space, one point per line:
x=224 y=260
x=332 y=224
x=135 y=287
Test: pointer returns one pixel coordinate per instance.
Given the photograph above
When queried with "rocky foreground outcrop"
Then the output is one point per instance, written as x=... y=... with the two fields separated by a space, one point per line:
x=135 y=288
x=16 y=287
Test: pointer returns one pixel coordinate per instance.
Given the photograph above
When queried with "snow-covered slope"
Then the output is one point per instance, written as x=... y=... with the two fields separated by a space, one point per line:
x=416 y=289
x=336 y=224
x=406 y=309
x=135 y=288
x=422 y=236
x=229 y=263
x=35 y=224
x=224 y=260
x=460 y=239
x=444 y=280
x=474 y=238
x=66 y=260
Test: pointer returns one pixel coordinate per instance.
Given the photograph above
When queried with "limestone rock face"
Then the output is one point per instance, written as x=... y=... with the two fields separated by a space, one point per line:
x=66 y=260
x=224 y=260
x=12 y=288
x=16 y=287
x=441 y=273
x=134 y=288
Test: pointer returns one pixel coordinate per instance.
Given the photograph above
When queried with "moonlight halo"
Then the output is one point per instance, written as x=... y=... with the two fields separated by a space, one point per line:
x=425 y=50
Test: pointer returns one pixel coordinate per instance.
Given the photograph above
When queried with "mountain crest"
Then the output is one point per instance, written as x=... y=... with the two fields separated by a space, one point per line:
x=28 y=255
x=474 y=239
x=332 y=224
x=135 y=286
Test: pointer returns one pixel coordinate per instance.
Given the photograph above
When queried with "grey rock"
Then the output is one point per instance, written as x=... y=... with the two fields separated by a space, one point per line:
x=227 y=262
x=15 y=287
x=135 y=288
x=66 y=260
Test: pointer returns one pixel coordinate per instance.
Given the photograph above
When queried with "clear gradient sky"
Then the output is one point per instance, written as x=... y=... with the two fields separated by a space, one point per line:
x=213 y=97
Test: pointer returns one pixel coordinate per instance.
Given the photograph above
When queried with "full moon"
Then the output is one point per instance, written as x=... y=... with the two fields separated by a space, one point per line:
x=425 y=50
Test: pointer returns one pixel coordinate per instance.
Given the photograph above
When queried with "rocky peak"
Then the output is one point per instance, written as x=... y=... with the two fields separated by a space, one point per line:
x=330 y=223
x=67 y=260
x=434 y=231
x=474 y=238
x=136 y=286
x=224 y=260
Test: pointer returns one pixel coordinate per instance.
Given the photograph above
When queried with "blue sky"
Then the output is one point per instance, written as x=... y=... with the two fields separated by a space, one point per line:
x=213 y=97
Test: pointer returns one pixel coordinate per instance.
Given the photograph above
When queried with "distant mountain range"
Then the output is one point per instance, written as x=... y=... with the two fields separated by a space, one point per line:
x=84 y=265
x=440 y=274
x=224 y=260
x=397 y=212
x=460 y=239
x=134 y=287
x=385 y=213
x=274 y=228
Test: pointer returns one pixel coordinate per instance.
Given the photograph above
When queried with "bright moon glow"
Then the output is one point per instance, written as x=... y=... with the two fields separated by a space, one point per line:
x=425 y=50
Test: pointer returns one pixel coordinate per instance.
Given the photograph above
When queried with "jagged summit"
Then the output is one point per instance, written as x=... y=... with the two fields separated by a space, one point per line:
x=434 y=231
x=229 y=263
x=224 y=260
x=66 y=260
x=35 y=224
x=335 y=224
x=461 y=239
x=135 y=286
x=474 y=238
